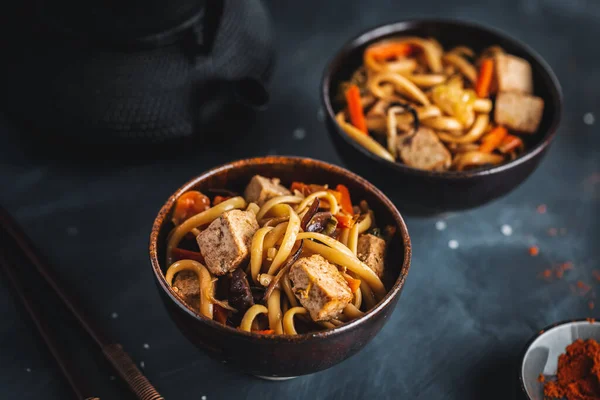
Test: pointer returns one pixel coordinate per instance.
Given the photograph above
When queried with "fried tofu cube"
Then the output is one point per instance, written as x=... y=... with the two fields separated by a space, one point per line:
x=519 y=112
x=187 y=286
x=261 y=189
x=225 y=244
x=319 y=287
x=371 y=251
x=424 y=150
x=513 y=74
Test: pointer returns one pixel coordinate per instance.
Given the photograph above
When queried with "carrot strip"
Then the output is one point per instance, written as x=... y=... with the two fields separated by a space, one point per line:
x=183 y=254
x=386 y=51
x=509 y=143
x=345 y=202
x=345 y=220
x=484 y=80
x=493 y=139
x=265 y=332
x=354 y=284
x=355 y=109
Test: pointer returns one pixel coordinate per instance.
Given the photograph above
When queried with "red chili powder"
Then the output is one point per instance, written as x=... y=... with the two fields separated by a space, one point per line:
x=578 y=374
x=534 y=250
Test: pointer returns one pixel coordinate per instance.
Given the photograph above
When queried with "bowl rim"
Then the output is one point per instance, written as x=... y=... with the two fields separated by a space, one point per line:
x=556 y=94
x=540 y=333
x=392 y=293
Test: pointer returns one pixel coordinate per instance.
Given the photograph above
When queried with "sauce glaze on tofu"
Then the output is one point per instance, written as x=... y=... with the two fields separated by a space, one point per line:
x=277 y=259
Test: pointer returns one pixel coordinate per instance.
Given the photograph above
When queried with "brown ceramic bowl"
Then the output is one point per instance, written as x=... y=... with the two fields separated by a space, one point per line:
x=426 y=192
x=283 y=355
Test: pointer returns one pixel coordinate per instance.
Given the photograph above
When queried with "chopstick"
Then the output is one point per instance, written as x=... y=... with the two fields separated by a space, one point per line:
x=78 y=384
x=112 y=351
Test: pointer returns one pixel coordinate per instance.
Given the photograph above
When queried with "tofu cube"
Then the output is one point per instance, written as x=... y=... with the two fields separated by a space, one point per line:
x=319 y=287
x=513 y=74
x=424 y=150
x=519 y=112
x=261 y=189
x=225 y=244
x=187 y=286
x=371 y=251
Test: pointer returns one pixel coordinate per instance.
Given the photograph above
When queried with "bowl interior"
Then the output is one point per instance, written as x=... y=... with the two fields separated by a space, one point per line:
x=449 y=33
x=235 y=176
x=541 y=357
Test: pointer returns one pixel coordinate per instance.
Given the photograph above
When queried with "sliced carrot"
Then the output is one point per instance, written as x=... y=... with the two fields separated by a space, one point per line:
x=355 y=109
x=221 y=314
x=385 y=51
x=354 y=284
x=183 y=254
x=509 y=143
x=345 y=220
x=493 y=139
x=220 y=199
x=345 y=202
x=265 y=332
x=484 y=80
x=189 y=204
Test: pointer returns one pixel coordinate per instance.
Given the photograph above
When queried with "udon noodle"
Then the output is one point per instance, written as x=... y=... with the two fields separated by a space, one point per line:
x=414 y=102
x=277 y=260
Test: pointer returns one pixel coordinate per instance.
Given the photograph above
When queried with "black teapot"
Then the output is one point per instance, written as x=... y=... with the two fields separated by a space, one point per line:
x=129 y=71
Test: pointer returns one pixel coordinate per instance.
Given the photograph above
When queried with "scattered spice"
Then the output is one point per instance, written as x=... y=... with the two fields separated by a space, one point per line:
x=541 y=209
x=591 y=305
x=541 y=378
x=552 y=231
x=583 y=286
x=547 y=273
x=578 y=373
x=534 y=251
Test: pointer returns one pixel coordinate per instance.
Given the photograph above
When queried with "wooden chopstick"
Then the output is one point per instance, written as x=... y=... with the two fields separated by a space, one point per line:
x=78 y=384
x=113 y=352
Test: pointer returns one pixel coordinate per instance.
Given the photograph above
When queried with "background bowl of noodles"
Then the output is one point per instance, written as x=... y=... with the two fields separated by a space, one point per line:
x=281 y=356
x=429 y=192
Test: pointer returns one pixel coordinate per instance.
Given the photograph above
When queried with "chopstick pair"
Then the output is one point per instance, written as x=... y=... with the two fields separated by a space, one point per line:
x=112 y=351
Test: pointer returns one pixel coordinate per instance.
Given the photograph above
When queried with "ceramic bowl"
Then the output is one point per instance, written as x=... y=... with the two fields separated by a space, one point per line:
x=542 y=351
x=282 y=356
x=425 y=192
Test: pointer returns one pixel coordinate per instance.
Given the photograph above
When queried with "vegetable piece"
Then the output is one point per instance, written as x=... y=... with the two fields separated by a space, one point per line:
x=220 y=199
x=493 y=139
x=385 y=51
x=265 y=332
x=301 y=187
x=355 y=109
x=320 y=221
x=345 y=220
x=484 y=79
x=345 y=201
x=189 y=204
x=183 y=254
x=312 y=210
x=240 y=295
x=510 y=143
x=354 y=284
x=330 y=227
x=220 y=314
x=454 y=100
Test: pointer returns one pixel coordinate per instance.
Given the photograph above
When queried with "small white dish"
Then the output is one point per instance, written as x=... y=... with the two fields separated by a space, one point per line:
x=542 y=351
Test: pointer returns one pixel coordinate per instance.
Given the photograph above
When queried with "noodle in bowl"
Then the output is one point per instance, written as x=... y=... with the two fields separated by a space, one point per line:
x=292 y=350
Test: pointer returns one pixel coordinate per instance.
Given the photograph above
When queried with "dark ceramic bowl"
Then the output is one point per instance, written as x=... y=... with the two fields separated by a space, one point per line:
x=541 y=352
x=281 y=355
x=419 y=191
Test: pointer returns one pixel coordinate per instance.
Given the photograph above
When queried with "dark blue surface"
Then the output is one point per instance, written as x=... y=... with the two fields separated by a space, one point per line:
x=465 y=313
